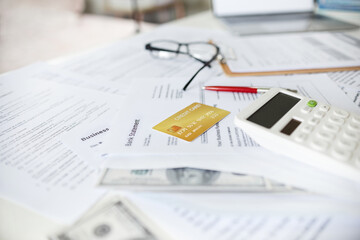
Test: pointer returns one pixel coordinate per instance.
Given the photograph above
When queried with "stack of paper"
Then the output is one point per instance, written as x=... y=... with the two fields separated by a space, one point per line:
x=73 y=132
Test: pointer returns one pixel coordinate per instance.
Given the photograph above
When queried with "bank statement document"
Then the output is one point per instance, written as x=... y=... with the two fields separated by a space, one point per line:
x=133 y=144
x=162 y=98
x=36 y=169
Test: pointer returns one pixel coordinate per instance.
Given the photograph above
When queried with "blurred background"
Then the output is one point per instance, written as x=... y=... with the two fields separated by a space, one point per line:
x=39 y=30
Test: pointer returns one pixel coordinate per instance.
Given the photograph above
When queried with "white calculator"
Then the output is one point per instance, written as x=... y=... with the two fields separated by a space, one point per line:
x=318 y=134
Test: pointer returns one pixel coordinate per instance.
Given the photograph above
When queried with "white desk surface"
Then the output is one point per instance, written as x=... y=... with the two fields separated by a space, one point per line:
x=17 y=222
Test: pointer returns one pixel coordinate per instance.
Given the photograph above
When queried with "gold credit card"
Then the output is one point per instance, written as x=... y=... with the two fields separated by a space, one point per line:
x=192 y=121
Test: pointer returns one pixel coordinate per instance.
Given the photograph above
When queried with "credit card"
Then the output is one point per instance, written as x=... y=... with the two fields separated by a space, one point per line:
x=192 y=121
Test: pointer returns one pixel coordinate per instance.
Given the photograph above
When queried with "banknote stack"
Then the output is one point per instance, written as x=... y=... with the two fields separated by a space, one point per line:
x=188 y=179
x=115 y=220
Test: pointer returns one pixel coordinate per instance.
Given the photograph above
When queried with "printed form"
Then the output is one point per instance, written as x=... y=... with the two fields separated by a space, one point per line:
x=162 y=98
x=294 y=51
x=243 y=216
x=37 y=169
x=128 y=59
x=349 y=82
x=55 y=74
x=116 y=65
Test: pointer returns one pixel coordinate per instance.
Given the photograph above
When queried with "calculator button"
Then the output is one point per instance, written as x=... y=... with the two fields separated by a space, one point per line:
x=336 y=120
x=346 y=144
x=307 y=129
x=331 y=127
x=354 y=127
x=306 y=109
x=312 y=103
x=351 y=135
x=323 y=108
x=341 y=113
x=313 y=121
x=341 y=154
x=319 y=114
x=319 y=144
x=301 y=137
x=325 y=135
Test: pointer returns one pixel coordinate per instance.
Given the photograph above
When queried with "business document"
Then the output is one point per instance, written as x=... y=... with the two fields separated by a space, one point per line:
x=37 y=169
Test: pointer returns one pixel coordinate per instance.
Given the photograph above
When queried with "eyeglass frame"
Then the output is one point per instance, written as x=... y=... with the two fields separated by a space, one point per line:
x=206 y=63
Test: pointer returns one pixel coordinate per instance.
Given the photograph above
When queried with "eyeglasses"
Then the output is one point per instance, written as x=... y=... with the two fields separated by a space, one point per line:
x=201 y=51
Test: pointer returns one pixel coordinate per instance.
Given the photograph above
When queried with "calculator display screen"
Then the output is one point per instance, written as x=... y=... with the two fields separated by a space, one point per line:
x=273 y=110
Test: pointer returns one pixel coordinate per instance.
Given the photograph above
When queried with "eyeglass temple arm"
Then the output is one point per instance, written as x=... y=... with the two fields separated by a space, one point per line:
x=206 y=64
x=192 y=78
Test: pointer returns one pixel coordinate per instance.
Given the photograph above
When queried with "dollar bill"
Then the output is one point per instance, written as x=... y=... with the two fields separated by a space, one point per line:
x=115 y=221
x=187 y=179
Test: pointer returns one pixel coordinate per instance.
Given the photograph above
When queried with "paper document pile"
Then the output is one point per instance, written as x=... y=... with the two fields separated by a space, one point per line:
x=80 y=130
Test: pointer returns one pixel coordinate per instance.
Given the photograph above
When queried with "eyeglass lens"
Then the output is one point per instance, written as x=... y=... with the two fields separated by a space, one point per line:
x=166 y=45
x=202 y=51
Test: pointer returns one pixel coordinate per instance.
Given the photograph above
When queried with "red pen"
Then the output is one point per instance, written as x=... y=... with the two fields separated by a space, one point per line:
x=239 y=89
